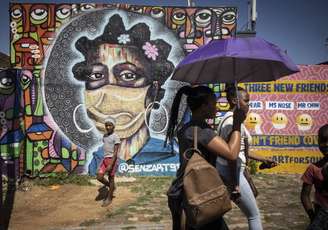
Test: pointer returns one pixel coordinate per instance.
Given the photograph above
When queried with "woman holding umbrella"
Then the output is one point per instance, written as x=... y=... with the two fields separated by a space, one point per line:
x=233 y=60
x=202 y=102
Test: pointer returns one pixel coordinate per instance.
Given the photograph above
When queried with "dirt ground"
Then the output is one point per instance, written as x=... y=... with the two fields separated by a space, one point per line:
x=143 y=201
x=62 y=206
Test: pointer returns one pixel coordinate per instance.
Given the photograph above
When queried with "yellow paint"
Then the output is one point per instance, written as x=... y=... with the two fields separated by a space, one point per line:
x=304 y=122
x=292 y=87
x=253 y=119
x=279 y=120
x=287 y=159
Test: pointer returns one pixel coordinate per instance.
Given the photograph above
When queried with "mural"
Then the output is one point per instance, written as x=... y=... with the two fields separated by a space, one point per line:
x=74 y=65
x=11 y=117
x=78 y=64
x=285 y=117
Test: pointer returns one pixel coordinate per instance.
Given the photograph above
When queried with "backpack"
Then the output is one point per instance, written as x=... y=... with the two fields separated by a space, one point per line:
x=206 y=198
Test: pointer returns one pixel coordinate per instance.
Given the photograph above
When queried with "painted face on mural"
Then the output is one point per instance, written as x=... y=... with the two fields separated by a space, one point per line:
x=7 y=83
x=199 y=26
x=304 y=122
x=156 y=12
x=192 y=24
x=226 y=24
x=7 y=98
x=117 y=88
x=119 y=72
x=11 y=104
x=33 y=27
x=279 y=120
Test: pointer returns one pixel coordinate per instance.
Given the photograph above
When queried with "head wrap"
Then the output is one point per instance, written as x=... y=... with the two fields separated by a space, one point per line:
x=110 y=120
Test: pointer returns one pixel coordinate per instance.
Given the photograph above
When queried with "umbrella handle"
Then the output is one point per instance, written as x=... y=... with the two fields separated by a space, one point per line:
x=237 y=94
x=236 y=83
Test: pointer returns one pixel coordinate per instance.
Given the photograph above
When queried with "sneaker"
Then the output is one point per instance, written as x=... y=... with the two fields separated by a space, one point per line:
x=102 y=193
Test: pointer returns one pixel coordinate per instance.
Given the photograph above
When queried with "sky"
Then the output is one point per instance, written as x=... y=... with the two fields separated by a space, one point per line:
x=298 y=26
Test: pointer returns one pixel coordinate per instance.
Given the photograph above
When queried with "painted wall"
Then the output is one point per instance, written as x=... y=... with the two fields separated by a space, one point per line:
x=286 y=115
x=77 y=64
x=74 y=65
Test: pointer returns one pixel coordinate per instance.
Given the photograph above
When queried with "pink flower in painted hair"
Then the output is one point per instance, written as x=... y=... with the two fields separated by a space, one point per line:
x=151 y=51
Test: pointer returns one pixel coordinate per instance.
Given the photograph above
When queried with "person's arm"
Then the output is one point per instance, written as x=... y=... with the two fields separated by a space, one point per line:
x=256 y=157
x=230 y=150
x=306 y=201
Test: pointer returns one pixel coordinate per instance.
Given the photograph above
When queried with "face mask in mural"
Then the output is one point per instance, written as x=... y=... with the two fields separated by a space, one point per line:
x=127 y=106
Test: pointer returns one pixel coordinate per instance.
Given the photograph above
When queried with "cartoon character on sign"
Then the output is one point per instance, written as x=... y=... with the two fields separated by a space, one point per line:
x=304 y=122
x=279 y=120
x=253 y=122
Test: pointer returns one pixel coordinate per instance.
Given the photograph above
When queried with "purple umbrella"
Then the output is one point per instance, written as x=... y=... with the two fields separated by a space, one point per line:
x=232 y=60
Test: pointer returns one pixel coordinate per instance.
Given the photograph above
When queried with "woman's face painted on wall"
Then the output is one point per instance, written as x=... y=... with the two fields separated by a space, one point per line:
x=117 y=87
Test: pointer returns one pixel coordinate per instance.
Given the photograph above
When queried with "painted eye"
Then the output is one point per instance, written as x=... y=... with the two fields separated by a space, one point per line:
x=229 y=17
x=203 y=18
x=127 y=75
x=25 y=80
x=157 y=12
x=17 y=13
x=85 y=7
x=63 y=13
x=96 y=76
x=179 y=17
x=136 y=9
x=6 y=82
x=39 y=14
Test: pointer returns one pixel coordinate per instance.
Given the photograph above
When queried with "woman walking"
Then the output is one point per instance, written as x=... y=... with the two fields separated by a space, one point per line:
x=202 y=102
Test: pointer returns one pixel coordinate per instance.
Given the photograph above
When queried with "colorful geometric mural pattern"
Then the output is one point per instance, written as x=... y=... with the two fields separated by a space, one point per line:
x=76 y=64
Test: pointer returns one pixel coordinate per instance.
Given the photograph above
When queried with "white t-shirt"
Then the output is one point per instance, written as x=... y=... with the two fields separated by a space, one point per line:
x=224 y=130
x=109 y=143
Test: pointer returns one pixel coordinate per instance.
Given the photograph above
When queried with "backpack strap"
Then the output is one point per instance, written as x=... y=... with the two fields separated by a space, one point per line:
x=221 y=124
x=246 y=150
x=194 y=148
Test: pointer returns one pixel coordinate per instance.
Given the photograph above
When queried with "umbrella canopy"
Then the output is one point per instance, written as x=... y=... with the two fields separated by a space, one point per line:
x=250 y=59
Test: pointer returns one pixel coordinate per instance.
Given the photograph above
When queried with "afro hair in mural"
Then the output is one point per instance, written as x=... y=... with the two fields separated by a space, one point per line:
x=155 y=51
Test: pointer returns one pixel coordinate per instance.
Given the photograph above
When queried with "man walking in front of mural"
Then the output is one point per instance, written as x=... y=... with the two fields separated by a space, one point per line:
x=109 y=164
x=317 y=175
